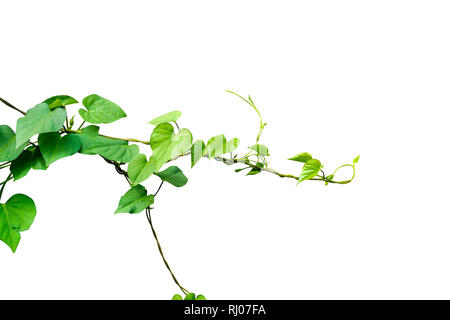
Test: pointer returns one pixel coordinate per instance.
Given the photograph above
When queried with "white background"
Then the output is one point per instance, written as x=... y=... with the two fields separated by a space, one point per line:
x=333 y=78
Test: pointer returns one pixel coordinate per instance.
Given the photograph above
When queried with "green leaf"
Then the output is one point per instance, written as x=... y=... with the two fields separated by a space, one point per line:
x=177 y=297
x=190 y=296
x=200 y=297
x=54 y=147
x=197 y=152
x=168 y=117
x=16 y=215
x=39 y=119
x=216 y=146
x=167 y=145
x=135 y=200
x=301 y=157
x=100 y=110
x=232 y=145
x=260 y=149
x=112 y=149
x=9 y=150
x=59 y=101
x=22 y=165
x=139 y=169
x=355 y=161
x=310 y=169
x=38 y=162
x=174 y=176
x=255 y=170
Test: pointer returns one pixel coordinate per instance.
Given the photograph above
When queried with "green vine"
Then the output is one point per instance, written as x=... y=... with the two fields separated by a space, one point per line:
x=57 y=139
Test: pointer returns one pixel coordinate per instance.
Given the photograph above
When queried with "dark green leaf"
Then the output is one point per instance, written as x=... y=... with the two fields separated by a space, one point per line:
x=301 y=157
x=38 y=162
x=112 y=149
x=59 y=101
x=197 y=152
x=22 y=165
x=16 y=215
x=100 y=110
x=167 y=145
x=139 y=169
x=260 y=149
x=54 y=147
x=8 y=146
x=255 y=170
x=39 y=119
x=174 y=176
x=310 y=169
x=168 y=117
x=190 y=296
x=135 y=200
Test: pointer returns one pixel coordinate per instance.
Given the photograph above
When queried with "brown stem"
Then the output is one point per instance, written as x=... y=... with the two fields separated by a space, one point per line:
x=11 y=106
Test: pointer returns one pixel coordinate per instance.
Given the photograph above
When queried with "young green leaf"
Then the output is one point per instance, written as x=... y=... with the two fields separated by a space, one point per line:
x=135 y=200
x=139 y=169
x=301 y=157
x=54 y=147
x=200 y=296
x=174 y=176
x=177 y=297
x=8 y=146
x=22 y=165
x=168 y=117
x=112 y=149
x=355 y=161
x=167 y=145
x=100 y=110
x=16 y=215
x=197 y=152
x=260 y=149
x=255 y=170
x=232 y=145
x=310 y=169
x=216 y=146
x=59 y=101
x=39 y=119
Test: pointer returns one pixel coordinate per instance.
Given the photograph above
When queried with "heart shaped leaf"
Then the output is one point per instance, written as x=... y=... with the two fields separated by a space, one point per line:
x=301 y=157
x=261 y=149
x=8 y=146
x=59 y=101
x=174 y=176
x=135 y=200
x=16 y=215
x=54 y=147
x=139 y=169
x=167 y=145
x=22 y=165
x=310 y=170
x=39 y=119
x=168 y=117
x=100 y=110
x=216 y=146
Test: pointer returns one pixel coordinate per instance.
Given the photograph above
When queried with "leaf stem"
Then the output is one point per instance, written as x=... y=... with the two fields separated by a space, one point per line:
x=10 y=176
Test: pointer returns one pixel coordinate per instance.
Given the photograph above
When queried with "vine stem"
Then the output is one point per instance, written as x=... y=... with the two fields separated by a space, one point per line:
x=11 y=106
x=4 y=184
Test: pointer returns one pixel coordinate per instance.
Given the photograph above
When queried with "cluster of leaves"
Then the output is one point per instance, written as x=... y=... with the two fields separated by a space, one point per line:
x=189 y=296
x=57 y=139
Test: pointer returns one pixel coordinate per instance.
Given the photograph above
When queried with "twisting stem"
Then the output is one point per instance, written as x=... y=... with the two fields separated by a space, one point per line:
x=4 y=184
x=11 y=106
x=149 y=218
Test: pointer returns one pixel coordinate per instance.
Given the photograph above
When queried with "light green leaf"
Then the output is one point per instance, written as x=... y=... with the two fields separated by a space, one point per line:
x=139 y=169
x=59 y=101
x=135 y=200
x=232 y=145
x=216 y=146
x=177 y=297
x=197 y=152
x=190 y=296
x=174 y=176
x=16 y=215
x=39 y=119
x=22 y=165
x=301 y=157
x=168 y=117
x=200 y=297
x=310 y=169
x=260 y=149
x=54 y=147
x=100 y=110
x=112 y=149
x=8 y=146
x=167 y=145
x=355 y=161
